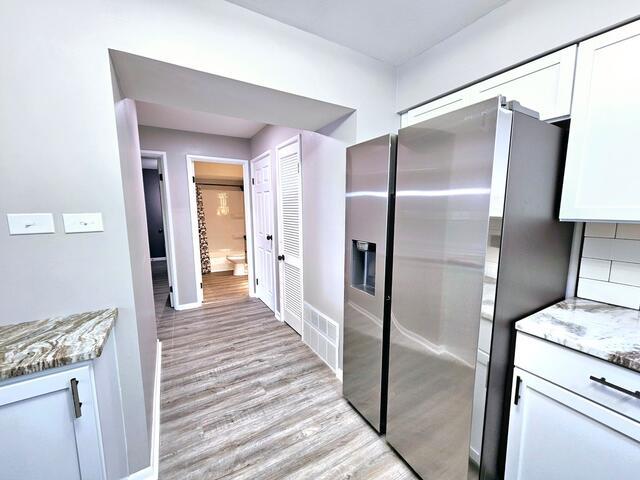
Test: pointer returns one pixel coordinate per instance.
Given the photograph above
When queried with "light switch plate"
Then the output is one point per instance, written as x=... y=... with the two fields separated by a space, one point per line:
x=82 y=222
x=30 y=223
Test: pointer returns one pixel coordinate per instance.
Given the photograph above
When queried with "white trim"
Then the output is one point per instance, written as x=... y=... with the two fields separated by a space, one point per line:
x=188 y=306
x=97 y=414
x=144 y=474
x=274 y=249
x=155 y=426
x=277 y=315
x=151 y=472
x=116 y=366
x=194 y=218
x=167 y=220
x=339 y=374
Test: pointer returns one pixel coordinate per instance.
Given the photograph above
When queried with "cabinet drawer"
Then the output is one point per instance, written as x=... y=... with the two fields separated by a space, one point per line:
x=573 y=370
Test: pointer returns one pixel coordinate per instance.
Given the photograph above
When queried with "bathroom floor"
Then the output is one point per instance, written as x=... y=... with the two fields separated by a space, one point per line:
x=225 y=286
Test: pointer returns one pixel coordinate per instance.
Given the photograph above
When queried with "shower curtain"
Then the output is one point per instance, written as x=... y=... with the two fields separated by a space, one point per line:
x=205 y=262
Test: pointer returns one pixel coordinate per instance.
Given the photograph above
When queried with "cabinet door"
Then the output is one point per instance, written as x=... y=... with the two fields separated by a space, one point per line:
x=603 y=164
x=437 y=107
x=40 y=434
x=556 y=434
x=543 y=85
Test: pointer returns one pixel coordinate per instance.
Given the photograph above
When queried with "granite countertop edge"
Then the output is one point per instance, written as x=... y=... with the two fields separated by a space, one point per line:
x=607 y=332
x=104 y=318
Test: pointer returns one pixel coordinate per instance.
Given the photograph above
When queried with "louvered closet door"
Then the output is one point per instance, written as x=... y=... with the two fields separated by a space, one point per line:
x=290 y=223
x=263 y=228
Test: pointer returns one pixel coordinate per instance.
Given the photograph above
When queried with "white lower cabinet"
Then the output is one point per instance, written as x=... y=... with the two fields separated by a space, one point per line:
x=555 y=433
x=44 y=433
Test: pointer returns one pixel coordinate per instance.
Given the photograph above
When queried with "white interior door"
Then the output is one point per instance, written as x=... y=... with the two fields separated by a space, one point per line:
x=262 y=194
x=290 y=231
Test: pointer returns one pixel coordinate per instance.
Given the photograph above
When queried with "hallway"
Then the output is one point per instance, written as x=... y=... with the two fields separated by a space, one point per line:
x=243 y=398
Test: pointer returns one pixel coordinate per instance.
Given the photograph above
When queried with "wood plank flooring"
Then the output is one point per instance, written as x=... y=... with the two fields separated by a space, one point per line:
x=224 y=286
x=243 y=398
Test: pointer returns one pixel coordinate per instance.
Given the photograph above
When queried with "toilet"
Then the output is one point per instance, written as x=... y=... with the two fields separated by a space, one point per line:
x=239 y=263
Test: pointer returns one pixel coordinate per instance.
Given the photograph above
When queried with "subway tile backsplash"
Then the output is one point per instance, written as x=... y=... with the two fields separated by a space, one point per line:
x=610 y=264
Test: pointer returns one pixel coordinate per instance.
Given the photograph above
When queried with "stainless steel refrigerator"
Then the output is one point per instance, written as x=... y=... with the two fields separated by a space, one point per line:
x=367 y=290
x=477 y=246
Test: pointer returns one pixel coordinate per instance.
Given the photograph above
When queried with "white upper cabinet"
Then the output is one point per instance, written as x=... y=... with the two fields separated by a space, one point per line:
x=543 y=85
x=437 y=107
x=602 y=173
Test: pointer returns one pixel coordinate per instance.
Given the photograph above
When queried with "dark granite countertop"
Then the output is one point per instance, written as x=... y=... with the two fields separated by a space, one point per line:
x=35 y=346
x=604 y=331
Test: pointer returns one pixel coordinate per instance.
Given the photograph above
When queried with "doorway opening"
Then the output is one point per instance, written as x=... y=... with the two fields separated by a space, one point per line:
x=221 y=227
x=157 y=196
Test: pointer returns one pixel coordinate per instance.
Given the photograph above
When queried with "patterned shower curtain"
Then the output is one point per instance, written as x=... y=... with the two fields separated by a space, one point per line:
x=205 y=262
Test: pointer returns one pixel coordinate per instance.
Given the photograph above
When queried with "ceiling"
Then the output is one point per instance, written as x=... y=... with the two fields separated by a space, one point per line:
x=392 y=32
x=155 y=115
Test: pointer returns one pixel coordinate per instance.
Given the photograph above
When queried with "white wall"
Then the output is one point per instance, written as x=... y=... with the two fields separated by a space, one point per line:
x=224 y=39
x=509 y=35
x=323 y=225
x=177 y=144
x=224 y=232
x=137 y=426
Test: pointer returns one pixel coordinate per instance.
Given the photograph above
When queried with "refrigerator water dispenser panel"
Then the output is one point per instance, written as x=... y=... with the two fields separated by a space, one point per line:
x=363 y=267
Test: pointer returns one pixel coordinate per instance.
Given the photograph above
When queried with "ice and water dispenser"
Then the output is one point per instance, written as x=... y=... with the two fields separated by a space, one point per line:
x=363 y=266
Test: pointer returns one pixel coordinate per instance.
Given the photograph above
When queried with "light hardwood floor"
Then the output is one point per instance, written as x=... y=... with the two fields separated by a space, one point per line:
x=243 y=398
x=224 y=286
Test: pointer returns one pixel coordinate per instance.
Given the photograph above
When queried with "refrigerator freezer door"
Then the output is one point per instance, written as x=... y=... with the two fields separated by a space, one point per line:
x=443 y=196
x=369 y=166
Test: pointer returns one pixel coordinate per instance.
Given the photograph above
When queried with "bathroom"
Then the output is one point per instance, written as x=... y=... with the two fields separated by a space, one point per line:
x=221 y=219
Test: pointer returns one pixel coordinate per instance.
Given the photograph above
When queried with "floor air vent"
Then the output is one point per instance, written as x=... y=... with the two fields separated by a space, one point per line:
x=321 y=334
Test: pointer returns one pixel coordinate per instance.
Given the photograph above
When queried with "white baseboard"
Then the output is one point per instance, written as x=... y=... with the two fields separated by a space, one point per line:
x=277 y=315
x=188 y=306
x=144 y=474
x=151 y=472
x=339 y=374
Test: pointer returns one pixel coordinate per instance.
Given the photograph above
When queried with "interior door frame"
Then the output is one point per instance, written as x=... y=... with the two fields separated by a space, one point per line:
x=275 y=247
x=296 y=138
x=167 y=221
x=248 y=226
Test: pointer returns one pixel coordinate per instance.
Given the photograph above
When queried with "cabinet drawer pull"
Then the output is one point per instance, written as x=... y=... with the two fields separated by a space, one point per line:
x=77 y=404
x=603 y=381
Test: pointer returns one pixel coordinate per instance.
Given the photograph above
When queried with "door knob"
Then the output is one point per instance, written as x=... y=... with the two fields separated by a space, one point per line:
x=280 y=257
x=269 y=237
